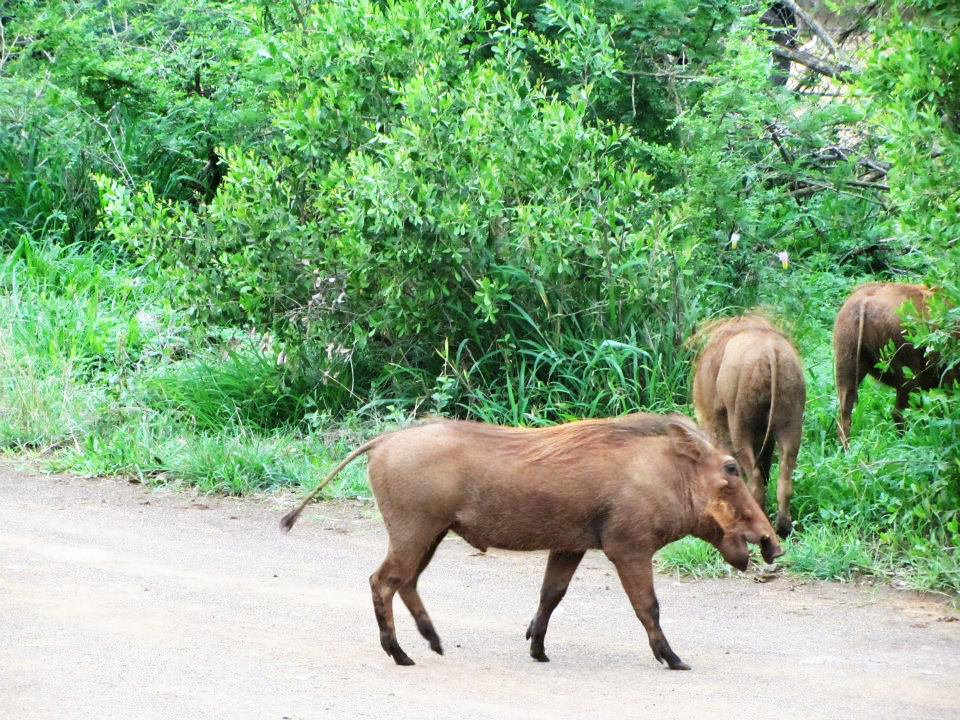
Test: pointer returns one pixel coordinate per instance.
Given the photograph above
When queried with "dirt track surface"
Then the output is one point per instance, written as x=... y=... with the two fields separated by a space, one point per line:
x=118 y=601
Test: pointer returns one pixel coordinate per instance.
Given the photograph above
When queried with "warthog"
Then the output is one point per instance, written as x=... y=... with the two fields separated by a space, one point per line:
x=748 y=392
x=627 y=486
x=868 y=322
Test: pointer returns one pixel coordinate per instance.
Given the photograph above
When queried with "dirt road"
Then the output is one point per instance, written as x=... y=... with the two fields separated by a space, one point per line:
x=123 y=602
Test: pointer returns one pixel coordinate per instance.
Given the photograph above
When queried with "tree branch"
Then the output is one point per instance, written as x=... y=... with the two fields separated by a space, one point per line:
x=859 y=22
x=868 y=185
x=820 y=66
x=814 y=26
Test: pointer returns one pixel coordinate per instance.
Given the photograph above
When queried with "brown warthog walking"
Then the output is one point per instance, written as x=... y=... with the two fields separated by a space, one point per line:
x=868 y=322
x=627 y=486
x=748 y=392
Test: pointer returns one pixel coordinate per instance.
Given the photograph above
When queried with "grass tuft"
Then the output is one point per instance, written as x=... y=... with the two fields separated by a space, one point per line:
x=693 y=558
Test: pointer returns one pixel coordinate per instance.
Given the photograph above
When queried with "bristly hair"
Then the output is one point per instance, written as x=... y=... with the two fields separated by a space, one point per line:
x=720 y=329
x=758 y=318
x=569 y=440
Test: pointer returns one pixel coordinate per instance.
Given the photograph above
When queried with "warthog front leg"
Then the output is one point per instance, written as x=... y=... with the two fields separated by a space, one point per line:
x=636 y=573
x=560 y=569
x=789 y=449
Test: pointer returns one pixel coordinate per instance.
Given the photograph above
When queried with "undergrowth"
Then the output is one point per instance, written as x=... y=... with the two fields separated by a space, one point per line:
x=129 y=390
x=239 y=240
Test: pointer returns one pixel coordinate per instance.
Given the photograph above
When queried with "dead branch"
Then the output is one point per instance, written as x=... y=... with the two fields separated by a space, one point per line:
x=807 y=188
x=869 y=185
x=875 y=165
x=814 y=26
x=836 y=71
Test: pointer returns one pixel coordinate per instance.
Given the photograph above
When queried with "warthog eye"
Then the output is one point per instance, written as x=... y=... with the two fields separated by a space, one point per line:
x=731 y=468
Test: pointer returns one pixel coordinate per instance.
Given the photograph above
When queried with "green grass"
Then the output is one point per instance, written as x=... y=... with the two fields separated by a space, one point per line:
x=99 y=378
x=693 y=558
x=241 y=385
x=232 y=462
x=830 y=553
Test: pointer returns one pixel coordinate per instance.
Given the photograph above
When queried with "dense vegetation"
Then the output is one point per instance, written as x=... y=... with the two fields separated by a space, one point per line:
x=239 y=235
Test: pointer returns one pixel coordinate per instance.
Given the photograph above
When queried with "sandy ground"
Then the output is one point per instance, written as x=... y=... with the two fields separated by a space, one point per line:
x=118 y=601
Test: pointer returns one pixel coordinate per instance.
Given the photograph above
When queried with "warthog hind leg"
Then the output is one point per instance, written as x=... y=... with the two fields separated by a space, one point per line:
x=411 y=598
x=789 y=443
x=383 y=585
x=399 y=572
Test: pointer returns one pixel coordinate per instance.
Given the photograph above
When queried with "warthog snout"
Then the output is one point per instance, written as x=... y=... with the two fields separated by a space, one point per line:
x=769 y=549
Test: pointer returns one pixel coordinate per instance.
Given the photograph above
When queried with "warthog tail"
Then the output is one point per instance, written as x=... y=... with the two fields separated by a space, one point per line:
x=773 y=395
x=856 y=359
x=291 y=517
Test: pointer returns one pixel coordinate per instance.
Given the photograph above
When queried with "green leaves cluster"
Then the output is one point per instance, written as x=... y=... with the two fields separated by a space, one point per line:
x=913 y=86
x=141 y=92
x=421 y=187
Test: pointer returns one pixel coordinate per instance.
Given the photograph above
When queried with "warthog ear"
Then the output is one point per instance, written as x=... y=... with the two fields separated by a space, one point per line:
x=685 y=440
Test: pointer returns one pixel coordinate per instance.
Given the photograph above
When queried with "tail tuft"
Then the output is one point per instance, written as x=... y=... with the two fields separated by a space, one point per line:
x=288 y=520
x=291 y=517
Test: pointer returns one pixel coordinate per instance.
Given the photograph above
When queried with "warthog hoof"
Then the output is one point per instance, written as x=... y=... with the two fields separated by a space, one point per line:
x=396 y=652
x=536 y=647
x=401 y=658
x=784 y=526
x=664 y=654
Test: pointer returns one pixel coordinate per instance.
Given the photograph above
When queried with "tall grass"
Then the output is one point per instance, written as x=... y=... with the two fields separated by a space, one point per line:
x=100 y=377
x=45 y=163
x=239 y=385
x=570 y=373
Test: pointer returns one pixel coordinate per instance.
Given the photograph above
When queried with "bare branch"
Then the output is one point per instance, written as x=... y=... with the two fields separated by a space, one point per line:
x=7 y=50
x=810 y=187
x=858 y=24
x=808 y=190
x=775 y=136
x=875 y=165
x=4 y=54
x=814 y=26
x=837 y=72
x=868 y=185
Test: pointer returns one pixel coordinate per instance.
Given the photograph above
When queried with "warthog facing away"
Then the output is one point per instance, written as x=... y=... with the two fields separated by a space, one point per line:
x=868 y=322
x=748 y=392
x=627 y=486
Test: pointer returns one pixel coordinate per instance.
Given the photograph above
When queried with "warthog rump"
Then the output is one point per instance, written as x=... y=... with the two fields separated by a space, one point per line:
x=749 y=393
x=627 y=486
x=868 y=322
